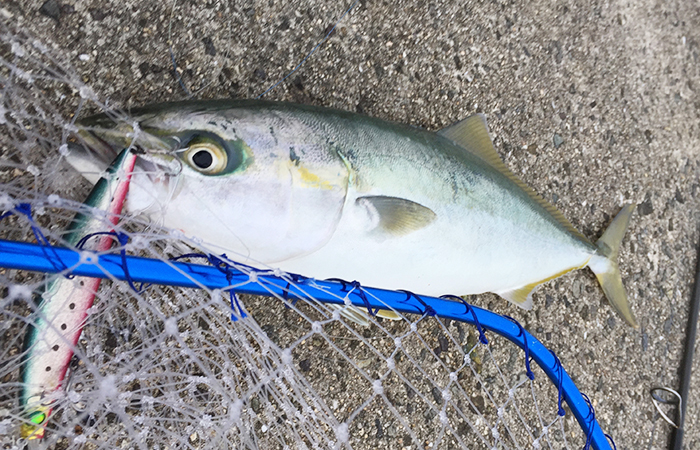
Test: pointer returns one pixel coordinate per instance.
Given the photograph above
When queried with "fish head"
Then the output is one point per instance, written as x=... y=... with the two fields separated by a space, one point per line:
x=246 y=178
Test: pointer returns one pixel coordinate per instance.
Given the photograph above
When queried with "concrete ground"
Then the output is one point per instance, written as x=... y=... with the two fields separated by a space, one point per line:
x=592 y=103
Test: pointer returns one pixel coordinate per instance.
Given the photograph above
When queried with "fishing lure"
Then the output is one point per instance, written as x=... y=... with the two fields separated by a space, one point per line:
x=63 y=306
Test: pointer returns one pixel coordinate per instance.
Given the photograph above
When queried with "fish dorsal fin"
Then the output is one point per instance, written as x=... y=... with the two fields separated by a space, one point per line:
x=472 y=135
x=396 y=216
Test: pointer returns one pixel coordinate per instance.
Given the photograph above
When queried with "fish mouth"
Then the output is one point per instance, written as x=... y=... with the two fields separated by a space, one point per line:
x=158 y=165
x=105 y=137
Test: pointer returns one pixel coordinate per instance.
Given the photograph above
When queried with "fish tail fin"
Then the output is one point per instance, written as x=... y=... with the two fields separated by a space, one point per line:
x=604 y=265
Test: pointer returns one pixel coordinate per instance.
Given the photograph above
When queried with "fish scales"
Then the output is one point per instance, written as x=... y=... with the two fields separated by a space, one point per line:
x=333 y=194
x=486 y=233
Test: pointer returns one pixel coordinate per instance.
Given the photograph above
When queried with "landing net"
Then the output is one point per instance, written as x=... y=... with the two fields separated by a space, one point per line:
x=161 y=366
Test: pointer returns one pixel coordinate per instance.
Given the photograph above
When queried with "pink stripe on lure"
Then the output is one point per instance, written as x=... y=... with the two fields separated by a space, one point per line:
x=63 y=309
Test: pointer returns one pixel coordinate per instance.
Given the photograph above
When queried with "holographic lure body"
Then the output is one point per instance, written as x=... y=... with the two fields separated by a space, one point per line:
x=64 y=304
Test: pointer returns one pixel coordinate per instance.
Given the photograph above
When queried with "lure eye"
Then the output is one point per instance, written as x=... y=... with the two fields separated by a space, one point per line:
x=37 y=417
x=206 y=157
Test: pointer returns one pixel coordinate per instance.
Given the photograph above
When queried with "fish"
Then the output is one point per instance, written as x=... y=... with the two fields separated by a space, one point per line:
x=332 y=194
x=64 y=303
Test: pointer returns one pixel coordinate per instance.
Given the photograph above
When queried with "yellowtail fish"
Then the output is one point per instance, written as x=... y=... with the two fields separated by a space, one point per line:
x=332 y=194
x=64 y=304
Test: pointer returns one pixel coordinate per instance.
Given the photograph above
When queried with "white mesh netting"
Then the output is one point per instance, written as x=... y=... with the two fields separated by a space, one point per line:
x=168 y=368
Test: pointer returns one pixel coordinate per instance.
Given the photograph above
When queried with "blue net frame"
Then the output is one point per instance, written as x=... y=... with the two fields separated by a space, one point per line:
x=51 y=259
x=221 y=274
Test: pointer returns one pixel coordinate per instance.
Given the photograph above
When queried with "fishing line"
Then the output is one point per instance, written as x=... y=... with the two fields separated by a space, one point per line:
x=657 y=399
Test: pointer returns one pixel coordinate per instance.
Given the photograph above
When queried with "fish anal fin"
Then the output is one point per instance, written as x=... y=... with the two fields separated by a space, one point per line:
x=397 y=216
x=522 y=296
x=472 y=135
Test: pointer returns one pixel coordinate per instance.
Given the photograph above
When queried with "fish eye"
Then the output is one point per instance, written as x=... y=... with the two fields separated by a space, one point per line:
x=203 y=159
x=206 y=157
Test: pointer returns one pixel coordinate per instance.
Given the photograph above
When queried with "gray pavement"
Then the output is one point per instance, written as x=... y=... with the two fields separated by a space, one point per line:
x=592 y=103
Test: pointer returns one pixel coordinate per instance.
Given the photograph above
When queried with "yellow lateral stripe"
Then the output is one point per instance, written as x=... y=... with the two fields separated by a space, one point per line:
x=310 y=178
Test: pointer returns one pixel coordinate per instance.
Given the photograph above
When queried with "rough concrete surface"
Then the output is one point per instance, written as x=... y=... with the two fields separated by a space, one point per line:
x=592 y=103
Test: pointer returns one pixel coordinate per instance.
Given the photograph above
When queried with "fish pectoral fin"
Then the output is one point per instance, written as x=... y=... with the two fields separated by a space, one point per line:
x=521 y=296
x=360 y=316
x=397 y=216
x=383 y=313
x=388 y=314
